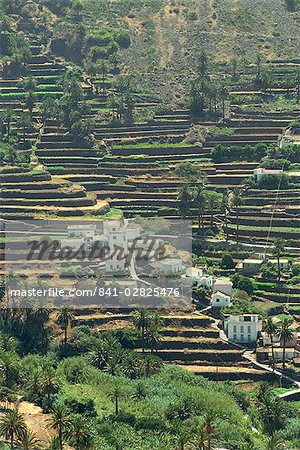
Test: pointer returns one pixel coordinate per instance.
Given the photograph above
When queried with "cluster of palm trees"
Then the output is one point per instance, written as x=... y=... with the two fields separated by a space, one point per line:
x=206 y=94
x=149 y=326
x=210 y=202
x=71 y=428
x=284 y=330
x=112 y=358
x=206 y=431
x=13 y=429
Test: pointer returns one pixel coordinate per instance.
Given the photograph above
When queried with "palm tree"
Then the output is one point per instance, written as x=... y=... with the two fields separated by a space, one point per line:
x=8 y=117
x=141 y=321
x=270 y=327
x=237 y=201
x=212 y=203
x=65 y=319
x=34 y=383
x=79 y=433
x=28 y=441
x=225 y=205
x=223 y=94
x=184 y=199
x=278 y=249
x=30 y=102
x=50 y=384
x=12 y=426
x=234 y=68
x=9 y=368
x=209 y=427
x=115 y=395
x=140 y=391
x=151 y=365
x=153 y=337
x=285 y=332
x=200 y=203
x=60 y=422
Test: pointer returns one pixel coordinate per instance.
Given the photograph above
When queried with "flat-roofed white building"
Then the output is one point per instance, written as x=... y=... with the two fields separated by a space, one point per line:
x=251 y=265
x=168 y=266
x=198 y=278
x=243 y=328
x=81 y=230
x=261 y=171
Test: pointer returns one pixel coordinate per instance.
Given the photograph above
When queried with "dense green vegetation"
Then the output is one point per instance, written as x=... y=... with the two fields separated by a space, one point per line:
x=99 y=394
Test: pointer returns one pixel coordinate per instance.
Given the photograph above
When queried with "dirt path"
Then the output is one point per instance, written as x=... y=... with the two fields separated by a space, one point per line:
x=35 y=419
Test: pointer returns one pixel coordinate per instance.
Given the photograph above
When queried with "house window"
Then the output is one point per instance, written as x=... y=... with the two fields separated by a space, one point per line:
x=249 y=337
x=234 y=337
x=234 y=328
x=114 y=237
x=249 y=329
x=242 y=329
x=242 y=337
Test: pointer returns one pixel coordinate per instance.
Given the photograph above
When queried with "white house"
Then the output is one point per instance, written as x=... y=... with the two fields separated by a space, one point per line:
x=220 y=300
x=198 y=278
x=223 y=285
x=168 y=266
x=251 y=265
x=243 y=328
x=81 y=230
x=261 y=171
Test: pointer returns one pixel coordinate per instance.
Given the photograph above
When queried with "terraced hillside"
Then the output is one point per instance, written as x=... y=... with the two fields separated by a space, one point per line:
x=189 y=340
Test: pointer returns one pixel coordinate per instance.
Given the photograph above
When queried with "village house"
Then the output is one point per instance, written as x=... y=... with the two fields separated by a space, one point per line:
x=260 y=172
x=243 y=328
x=220 y=300
x=198 y=278
x=168 y=266
x=250 y=266
x=264 y=354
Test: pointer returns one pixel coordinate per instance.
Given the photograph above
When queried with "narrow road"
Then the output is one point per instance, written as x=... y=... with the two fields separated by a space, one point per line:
x=248 y=354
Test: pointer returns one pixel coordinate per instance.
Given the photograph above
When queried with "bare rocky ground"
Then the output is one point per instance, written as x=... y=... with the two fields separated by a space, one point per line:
x=167 y=36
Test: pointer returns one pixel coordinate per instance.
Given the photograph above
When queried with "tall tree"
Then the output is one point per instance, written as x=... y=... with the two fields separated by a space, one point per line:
x=270 y=327
x=64 y=319
x=209 y=427
x=141 y=321
x=200 y=203
x=50 y=384
x=12 y=426
x=213 y=203
x=115 y=395
x=278 y=249
x=8 y=116
x=225 y=206
x=285 y=332
x=237 y=201
x=60 y=422
x=79 y=433
x=184 y=200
